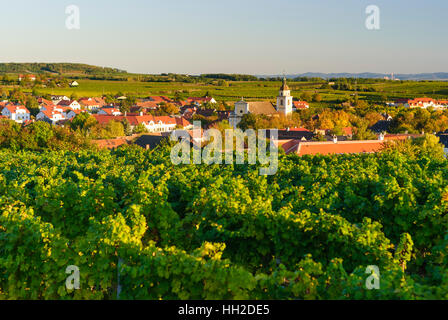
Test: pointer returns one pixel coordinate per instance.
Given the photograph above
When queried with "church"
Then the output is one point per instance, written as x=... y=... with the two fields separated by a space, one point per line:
x=284 y=106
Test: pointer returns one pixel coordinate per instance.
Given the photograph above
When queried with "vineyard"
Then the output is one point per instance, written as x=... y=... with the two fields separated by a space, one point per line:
x=138 y=227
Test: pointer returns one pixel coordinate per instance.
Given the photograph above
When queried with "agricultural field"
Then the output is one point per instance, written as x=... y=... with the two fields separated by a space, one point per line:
x=253 y=90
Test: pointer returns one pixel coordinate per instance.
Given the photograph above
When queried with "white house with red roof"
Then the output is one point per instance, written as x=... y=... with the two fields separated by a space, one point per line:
x=30 y=77
x=92 y=103
x=57 y=99
x=423 y=103
x=18 y=113
x=52 y=116
x=200 y=100
x=300 y=105
x=110 y=111
x=151 y=123
x=72 y=104
x=73 y=113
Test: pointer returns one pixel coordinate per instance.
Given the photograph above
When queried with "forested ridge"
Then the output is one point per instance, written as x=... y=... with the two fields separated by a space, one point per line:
x=222 y=231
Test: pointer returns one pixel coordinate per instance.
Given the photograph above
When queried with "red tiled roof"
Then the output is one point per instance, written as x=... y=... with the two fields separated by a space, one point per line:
x=13 y=108
x=329 y=147
x=181 y=121
x=301 y=104
x=92 y=101
x=110 y=111
x=66 y=102
x=45 y=102
x=199 y=99
x=348 y=131
x=148 y=104
x=110 y=143
x=160 y=99
x=299 y=129
x=135 y=120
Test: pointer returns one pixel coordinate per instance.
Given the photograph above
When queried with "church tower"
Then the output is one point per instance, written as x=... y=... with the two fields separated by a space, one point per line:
x=284 y=99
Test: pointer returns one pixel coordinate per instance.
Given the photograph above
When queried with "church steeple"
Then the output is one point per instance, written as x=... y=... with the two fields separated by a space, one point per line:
x=284 y=99
x=284 y=86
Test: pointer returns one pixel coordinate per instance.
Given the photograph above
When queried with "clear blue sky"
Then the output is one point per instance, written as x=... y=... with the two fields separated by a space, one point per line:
x=231 y=36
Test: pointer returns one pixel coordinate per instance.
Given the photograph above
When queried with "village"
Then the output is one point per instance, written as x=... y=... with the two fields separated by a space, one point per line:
x=148 y=129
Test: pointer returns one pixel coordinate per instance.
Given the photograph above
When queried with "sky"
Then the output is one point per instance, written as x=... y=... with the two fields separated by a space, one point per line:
x=258 y=37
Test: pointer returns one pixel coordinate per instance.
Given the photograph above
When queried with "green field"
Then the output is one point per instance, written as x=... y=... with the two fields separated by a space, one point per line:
x=252 y=90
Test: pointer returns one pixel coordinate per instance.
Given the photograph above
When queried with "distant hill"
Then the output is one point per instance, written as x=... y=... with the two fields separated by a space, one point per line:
x=370 y=75
x=59 y=68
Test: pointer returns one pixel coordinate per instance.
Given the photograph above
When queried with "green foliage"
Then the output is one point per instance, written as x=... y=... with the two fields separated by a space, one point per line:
x=40 y=136
x=222 y=231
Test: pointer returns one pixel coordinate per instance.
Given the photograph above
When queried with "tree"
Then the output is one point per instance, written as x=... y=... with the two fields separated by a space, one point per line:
x=363 y=133
x=140 y=128
x=126 y=127
x=83 y=121
x=169 y=109
x=248 y=121
x=42 y=132
x=74 y=96
x=307 y=96
x=430 y=146
x=316 y=97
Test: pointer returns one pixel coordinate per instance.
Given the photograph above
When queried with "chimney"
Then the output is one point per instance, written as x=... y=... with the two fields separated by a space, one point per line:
x=125 y=113
x=381 y=136
x=335 y=139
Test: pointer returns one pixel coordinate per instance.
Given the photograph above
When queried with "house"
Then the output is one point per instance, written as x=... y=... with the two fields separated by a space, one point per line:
x=52 y=116
x=150 y=141
x=188 y=111
x=151 y=123
x=206 y=112
x=17 y=113
x=74 y=84
x=198 y=101
x=110 y=111
x=145 y=106
x=160 y=99
x=443 y=138
x=72 y=104
x=163 y=123
x=300 y=105
x=92 y=104
x=30 y=77
x=302 y=148
x=73 y=113
x=423 y=103
x=243 y=107
x=381 y=126
x=44 y=102
x=293 y=133
x=57 y=99
x=347 y=131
